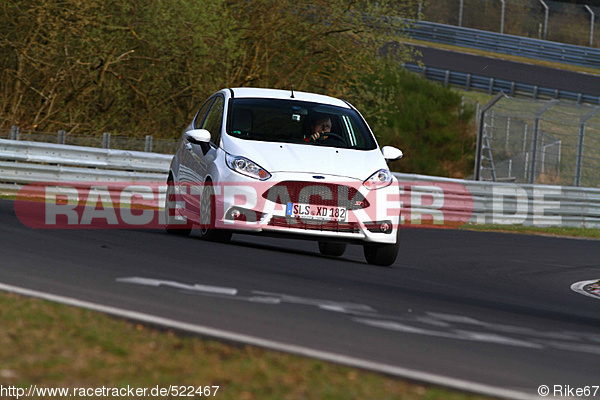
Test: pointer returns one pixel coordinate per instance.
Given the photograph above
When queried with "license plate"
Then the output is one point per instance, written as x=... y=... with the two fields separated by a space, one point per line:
x=316 y=213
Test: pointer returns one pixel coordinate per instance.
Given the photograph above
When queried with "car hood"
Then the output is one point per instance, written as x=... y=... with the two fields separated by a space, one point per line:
x=288 y=157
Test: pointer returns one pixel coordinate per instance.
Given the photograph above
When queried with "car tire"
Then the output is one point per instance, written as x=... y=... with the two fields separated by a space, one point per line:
x=382 y=254
x=332 y=249
x=208 y=216
x=173 y=226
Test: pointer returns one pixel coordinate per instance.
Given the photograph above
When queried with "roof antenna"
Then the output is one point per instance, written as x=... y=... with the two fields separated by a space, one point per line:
x=291 y=83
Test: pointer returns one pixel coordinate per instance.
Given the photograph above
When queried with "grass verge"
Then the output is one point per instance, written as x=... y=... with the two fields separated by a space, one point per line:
x=532 y=230
x=53 y=345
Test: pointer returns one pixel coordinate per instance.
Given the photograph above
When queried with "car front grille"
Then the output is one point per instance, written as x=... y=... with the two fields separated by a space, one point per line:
x=342 y=227
x=317 y=193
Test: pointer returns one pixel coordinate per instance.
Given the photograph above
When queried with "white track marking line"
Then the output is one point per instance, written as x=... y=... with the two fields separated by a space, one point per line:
x=136 y=280
x=406 y=373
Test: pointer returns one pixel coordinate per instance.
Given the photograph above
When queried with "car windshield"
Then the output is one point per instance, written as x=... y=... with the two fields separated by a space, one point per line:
x=290 y=121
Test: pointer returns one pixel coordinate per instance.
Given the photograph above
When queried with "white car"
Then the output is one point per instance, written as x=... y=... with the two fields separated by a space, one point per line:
x=277 y=162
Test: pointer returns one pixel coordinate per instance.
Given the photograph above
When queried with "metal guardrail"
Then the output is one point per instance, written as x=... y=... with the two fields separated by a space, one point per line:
x=492 y=85
x=476 y=201
x=106 y=140
x=24 y=162
x=16 y=150
x=507 y=203
x=24 y=173
x=506 y=44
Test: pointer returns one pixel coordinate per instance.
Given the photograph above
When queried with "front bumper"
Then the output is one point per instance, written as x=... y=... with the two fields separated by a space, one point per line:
x=373 y=216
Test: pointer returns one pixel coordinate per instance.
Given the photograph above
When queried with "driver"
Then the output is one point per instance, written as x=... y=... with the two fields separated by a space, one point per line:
x=321 y=125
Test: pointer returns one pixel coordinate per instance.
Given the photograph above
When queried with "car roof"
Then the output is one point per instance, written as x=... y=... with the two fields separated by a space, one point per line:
x=286 y=95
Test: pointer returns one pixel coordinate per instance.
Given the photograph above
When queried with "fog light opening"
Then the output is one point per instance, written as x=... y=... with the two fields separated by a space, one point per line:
x=380 y=227
x=385 y=227
x=242 y=215
x=236 y=214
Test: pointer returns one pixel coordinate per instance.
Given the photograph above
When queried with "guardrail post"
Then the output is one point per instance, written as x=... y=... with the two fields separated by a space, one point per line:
x=460 y=12
x=14 y=132
x=479 y=148
x=425 y=72
x=535 y=92
x=512 y=89
x=468 y=83
x=579 y=161
x=106 y=140
x=491 y=87
x=148 y=146
x=579 y=96
x=447 y=78
x=60 y=139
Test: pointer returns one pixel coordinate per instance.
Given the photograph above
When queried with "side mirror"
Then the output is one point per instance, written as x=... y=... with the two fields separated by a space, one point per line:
x=198 y=136
x=391 y=153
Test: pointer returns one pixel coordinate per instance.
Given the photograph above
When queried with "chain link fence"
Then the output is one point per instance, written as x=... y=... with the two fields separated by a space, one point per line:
x=552 y=142
x=541 y=19
x=105 y=140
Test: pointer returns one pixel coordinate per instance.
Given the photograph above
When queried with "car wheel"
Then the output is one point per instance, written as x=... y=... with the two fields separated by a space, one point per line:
x=208 y=215
x=332 y=249
x=382 y=254
x=172 y=225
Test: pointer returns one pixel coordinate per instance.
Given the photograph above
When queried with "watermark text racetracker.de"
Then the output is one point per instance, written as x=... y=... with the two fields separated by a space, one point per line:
x=568 y=391
x=139 y=205
x=34 y=391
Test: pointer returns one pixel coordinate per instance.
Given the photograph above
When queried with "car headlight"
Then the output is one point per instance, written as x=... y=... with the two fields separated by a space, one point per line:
x=378 y=180
x=246 y=167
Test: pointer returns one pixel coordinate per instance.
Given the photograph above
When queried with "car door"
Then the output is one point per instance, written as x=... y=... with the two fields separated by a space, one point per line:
x=201 y=156
x=186 y=176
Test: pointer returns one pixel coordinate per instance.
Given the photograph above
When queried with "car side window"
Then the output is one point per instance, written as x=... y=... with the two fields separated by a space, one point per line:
x=214 y=120
x=202 y=113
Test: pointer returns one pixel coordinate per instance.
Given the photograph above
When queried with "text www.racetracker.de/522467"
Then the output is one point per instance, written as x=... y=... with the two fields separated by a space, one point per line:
x=128 y=391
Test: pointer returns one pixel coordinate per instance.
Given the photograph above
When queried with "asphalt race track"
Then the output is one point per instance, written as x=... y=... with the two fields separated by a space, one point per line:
x=510 y=70
x=487 y=308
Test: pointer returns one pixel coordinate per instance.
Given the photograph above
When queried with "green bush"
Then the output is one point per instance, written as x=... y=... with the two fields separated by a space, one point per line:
x=424 y=119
